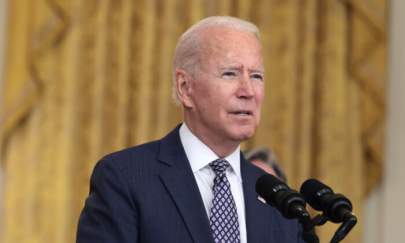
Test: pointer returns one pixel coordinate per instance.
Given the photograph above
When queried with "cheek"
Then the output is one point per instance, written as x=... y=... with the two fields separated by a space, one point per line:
x=218 y=96
x=259 y=95
x=201 y=95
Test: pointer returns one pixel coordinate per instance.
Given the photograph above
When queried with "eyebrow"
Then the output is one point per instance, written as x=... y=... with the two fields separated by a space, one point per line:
x=238 y=68
x=256 y=71
x=231 y=68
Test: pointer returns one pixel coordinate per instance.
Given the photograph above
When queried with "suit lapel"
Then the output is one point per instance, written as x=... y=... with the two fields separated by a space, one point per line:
x=179 y=181
x=257 y=222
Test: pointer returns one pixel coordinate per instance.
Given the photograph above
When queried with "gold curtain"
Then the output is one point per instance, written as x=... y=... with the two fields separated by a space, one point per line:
x=84 y=78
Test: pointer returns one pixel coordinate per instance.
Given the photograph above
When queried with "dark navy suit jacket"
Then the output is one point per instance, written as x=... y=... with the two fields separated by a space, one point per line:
x=148 y=194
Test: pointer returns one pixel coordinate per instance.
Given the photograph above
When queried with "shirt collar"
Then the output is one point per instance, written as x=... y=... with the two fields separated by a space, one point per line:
x=200 y=155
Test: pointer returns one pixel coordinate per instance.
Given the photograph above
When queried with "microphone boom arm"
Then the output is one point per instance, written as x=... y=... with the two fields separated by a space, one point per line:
x=344 y=229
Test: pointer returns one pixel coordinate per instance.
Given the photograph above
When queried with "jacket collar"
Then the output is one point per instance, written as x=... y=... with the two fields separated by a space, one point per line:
x=181 y=185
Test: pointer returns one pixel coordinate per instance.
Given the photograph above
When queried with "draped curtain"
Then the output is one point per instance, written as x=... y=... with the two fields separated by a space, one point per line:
x=85 y=78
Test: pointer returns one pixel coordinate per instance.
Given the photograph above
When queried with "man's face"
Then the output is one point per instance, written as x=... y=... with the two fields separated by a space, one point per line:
x=227 y=87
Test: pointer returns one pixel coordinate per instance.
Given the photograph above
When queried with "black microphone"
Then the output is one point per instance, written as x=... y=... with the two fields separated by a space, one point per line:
x=336 y=207
x=290 y=203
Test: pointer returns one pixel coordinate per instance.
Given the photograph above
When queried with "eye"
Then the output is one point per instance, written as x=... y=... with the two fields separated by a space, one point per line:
x=229 y=74
x=257 y=76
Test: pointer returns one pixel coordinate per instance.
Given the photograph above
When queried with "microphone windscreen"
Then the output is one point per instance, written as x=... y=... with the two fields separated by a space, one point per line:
x=268 y=185
x=290 y=203
x=312 y=190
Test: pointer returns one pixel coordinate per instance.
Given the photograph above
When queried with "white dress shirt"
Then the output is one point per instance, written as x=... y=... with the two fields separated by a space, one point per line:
x=200 y=155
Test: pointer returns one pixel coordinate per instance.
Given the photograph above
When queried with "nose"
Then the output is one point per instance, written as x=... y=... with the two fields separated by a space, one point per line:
x=245 y=90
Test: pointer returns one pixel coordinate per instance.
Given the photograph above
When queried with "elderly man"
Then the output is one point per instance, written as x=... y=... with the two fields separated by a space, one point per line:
x=194 y=184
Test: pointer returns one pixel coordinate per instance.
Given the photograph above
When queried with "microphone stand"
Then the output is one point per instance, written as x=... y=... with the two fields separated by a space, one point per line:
x=344 y=229
x=308 y=234
x=347 y=225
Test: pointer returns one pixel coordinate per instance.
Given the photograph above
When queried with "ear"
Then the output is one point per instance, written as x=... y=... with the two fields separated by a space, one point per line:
x=183 y=87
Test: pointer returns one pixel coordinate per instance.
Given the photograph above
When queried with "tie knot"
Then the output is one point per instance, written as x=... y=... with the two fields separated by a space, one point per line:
x=219 y=166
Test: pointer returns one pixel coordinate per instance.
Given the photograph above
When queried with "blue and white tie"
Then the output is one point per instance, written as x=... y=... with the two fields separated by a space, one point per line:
x=224 y=218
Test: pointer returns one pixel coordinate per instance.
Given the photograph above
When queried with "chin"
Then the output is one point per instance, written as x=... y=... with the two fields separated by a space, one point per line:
x=244 y=135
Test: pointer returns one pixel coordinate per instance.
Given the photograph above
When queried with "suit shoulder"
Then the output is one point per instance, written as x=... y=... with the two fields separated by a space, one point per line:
x=149 y=147
x=129 y=157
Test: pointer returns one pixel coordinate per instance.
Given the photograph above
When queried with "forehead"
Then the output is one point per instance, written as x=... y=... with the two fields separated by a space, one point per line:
x=221 y=44
x=223 y=33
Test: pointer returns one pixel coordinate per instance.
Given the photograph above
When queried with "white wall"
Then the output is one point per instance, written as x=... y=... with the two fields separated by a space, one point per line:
x=393 y=190
x=385 y=216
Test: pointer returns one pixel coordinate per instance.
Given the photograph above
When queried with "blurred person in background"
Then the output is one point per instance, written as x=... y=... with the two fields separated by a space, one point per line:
x=266 y=160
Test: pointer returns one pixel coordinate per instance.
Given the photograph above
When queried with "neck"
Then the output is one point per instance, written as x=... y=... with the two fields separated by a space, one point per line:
x=220 y=147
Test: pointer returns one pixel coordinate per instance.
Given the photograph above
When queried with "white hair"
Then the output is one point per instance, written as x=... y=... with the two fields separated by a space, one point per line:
x=186 y=54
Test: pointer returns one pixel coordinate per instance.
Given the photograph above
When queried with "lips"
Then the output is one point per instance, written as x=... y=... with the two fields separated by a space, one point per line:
x=241 y=113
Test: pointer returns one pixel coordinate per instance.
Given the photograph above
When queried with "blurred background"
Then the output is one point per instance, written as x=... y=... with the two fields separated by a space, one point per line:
x=79 y=79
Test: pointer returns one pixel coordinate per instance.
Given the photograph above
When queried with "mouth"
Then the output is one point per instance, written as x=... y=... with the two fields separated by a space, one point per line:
x=241 y=113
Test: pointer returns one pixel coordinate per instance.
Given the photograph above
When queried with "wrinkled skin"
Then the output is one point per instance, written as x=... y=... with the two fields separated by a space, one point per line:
x=222 y=98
